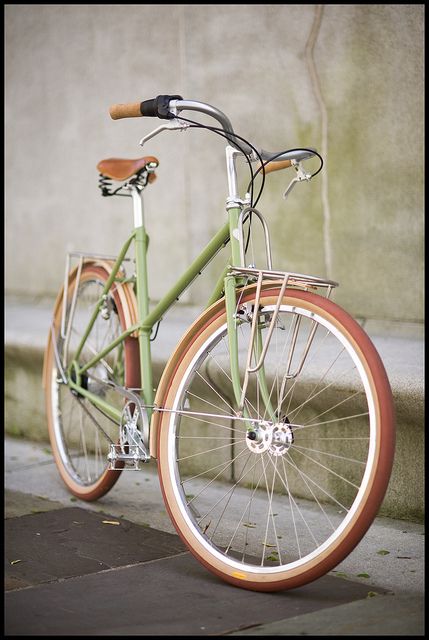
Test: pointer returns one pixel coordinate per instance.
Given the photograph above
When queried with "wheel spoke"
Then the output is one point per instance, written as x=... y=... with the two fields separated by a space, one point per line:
x=321 y=391
x=215 y=391
x=229 y=490
x=290 y=461
x=246 y=508
x=332 y=455
x=342 y=419
x=270 y=511
x=297 y=507
x=228 y=464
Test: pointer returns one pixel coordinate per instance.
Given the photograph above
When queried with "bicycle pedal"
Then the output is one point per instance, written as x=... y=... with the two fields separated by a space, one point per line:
x=132 y=458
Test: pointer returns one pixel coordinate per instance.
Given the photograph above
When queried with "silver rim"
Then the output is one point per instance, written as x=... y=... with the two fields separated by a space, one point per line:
x=83 y=434
x=279 y=507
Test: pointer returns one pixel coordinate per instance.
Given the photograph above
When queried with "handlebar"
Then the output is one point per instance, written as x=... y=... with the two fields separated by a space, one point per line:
x=169 y=106
x=156 y=107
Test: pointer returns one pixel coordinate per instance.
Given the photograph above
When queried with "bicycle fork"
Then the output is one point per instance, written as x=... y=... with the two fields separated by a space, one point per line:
x=256 y=348
x=258 y=344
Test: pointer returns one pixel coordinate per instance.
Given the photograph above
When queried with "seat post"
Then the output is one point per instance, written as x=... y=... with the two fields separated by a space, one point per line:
x=142 y=292
x=137 y=195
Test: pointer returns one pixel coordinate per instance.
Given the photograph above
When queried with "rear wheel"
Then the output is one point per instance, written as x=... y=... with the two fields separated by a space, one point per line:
x=80 y=433
x=277 y=498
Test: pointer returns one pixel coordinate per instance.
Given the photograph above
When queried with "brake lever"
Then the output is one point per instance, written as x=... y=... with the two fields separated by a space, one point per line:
x=301 y=175
x=172 y=124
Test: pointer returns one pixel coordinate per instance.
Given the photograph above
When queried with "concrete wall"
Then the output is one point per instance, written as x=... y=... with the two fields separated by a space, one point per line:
x=346 y=79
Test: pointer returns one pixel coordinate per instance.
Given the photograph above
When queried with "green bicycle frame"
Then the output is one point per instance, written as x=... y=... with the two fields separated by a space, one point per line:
x=147 y=319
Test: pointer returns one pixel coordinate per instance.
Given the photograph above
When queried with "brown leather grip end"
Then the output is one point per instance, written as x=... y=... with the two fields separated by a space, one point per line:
x=276 y=166
x=128 y=110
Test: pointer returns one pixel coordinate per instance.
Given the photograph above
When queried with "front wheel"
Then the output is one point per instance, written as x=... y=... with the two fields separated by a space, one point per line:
x=276 y=496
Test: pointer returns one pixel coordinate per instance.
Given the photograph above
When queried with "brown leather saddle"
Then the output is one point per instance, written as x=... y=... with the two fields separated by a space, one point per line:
x=121 y=169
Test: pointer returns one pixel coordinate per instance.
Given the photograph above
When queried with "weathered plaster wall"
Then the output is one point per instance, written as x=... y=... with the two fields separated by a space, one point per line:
x=362 y=223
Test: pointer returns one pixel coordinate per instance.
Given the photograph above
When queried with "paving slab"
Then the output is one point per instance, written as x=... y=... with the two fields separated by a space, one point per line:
x=29 y=467
x=68 y=542
x=173 y=594
x=72 y=571
x=168 y=596
x=380 y=615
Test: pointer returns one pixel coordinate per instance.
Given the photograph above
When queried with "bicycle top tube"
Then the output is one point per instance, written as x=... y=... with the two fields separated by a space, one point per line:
x=168 y=107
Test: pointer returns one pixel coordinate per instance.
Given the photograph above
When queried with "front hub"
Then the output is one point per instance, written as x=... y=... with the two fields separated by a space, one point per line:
x=281 y=440
x=268 y=436
x=259 y=437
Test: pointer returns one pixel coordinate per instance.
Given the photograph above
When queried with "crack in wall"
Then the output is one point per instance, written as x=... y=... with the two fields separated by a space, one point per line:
x=186 y=296
x=309 y=49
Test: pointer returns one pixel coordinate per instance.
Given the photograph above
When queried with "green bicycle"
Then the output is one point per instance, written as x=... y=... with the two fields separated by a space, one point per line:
x=272 y=424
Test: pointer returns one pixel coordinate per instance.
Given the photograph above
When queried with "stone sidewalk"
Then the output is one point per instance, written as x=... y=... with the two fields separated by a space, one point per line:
x=70 y=571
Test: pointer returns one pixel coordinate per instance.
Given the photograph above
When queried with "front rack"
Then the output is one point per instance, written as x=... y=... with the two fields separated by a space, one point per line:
x=284 y=279
x=298 y=280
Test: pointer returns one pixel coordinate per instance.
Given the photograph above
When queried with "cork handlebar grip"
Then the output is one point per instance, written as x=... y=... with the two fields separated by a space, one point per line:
x=128 y=110
x=276 y=166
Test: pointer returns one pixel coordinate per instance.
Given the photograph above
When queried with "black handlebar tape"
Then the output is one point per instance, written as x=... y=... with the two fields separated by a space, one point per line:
x=158 y=107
